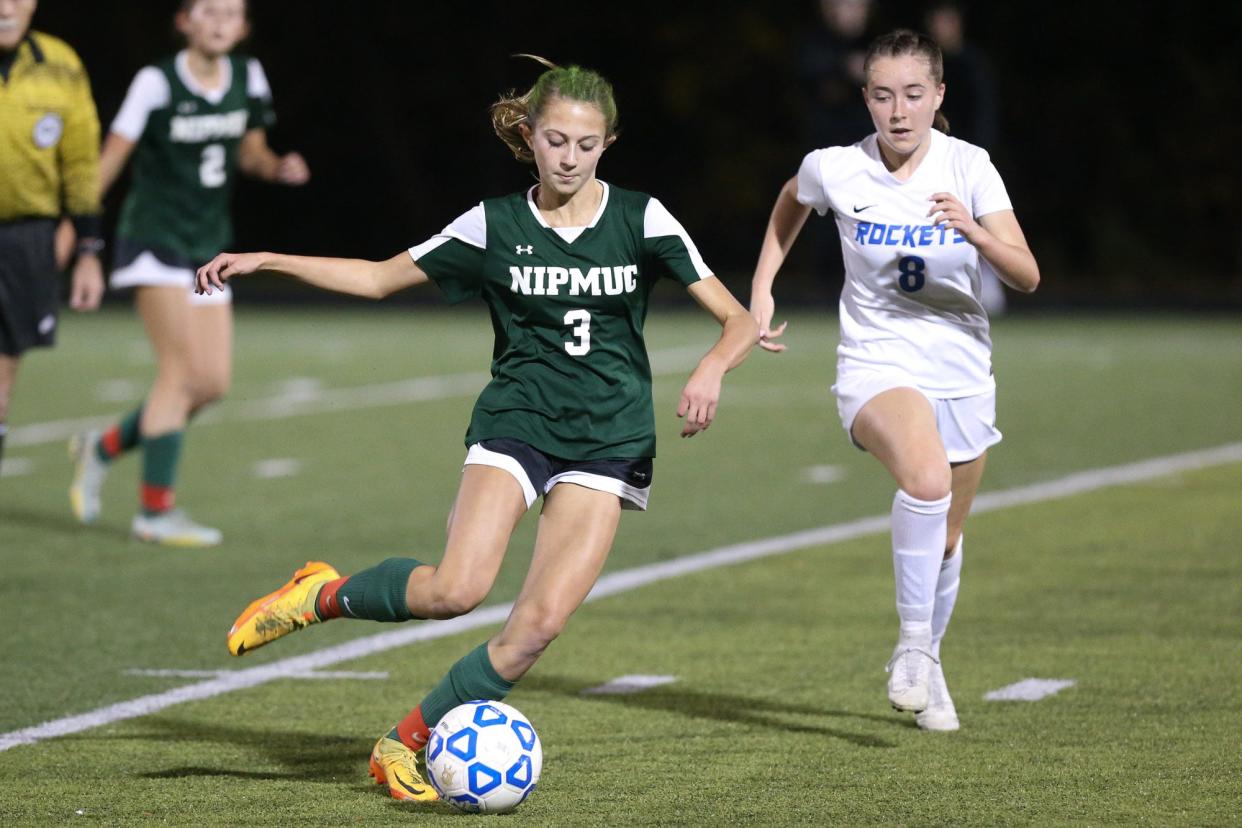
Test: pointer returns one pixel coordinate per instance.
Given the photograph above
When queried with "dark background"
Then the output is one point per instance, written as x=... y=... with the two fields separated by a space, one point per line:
x=1119 y=125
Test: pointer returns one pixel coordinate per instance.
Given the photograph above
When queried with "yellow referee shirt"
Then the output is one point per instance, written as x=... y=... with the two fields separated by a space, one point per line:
x=49 y=134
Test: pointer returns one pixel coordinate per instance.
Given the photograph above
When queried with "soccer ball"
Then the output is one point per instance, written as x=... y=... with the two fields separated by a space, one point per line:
x=484 y=757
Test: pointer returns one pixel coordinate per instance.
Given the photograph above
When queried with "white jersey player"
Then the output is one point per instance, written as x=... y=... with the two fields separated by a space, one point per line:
x=921 y=217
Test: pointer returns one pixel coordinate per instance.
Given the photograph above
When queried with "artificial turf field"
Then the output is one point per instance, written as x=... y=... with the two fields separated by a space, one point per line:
x=777 y=714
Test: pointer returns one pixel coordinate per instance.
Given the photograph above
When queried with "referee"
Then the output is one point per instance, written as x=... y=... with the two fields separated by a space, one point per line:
x=49 y=168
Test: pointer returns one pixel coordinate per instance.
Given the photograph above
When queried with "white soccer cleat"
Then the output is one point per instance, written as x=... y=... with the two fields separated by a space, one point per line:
x=88 y=476
x=940 y=713
x=910 y=673
x=174 y=528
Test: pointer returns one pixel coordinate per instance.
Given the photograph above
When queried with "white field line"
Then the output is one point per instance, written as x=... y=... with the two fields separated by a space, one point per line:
x=823 y=474
x=324 y=674
x=1031 y=689
x=16 y=466
x=276 y=467
x=628 y=685
x=612 y=584
x=305 y=399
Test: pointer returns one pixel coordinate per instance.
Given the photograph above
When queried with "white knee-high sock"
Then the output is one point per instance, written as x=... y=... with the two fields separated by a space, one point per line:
x=919 y=530
x=946 y=595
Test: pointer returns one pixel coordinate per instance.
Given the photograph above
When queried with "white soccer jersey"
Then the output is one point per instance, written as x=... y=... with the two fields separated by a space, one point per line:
x=911 y=299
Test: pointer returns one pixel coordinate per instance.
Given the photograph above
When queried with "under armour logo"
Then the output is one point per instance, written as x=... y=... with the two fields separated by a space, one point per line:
x=528 y=249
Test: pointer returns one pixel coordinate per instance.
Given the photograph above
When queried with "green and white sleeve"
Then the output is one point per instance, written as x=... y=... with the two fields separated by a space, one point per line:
x=453 y=258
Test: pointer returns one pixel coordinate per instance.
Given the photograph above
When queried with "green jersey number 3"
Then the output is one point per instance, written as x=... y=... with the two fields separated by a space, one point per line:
x=211 y=168
x=581 y=320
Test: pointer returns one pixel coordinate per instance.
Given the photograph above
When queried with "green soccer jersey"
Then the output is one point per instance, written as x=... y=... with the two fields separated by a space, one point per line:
x=186 y=157
x=570 y=374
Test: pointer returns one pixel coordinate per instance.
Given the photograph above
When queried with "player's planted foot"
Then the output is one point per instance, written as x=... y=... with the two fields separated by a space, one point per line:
x=940 y=713
x=174 y=528
x=395 y=765
x=279 y=613
x=88 y=476
x=910 y=673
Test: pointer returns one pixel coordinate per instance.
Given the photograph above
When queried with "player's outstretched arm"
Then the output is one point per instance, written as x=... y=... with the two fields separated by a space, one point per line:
x=357 y=277
x=788 y=216
x=702 y=392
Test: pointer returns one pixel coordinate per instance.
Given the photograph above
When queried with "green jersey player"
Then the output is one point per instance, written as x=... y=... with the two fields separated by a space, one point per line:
x=191 y=123
x=566 y=270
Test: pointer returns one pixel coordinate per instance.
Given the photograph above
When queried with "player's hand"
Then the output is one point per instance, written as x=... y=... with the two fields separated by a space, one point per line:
x=87 y=285
x=292 y=170
x=950 y=212
x=225 y=266
x=699 y=398
x=763 y=308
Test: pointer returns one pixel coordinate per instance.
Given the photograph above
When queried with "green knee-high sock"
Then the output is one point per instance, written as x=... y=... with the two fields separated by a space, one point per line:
x=473 y=677
x=375 y=594
x=160 y=456
x=120 y=437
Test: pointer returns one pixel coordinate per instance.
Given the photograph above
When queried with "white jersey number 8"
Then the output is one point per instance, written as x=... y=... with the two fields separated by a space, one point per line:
x=581 y=320
x=211 y=169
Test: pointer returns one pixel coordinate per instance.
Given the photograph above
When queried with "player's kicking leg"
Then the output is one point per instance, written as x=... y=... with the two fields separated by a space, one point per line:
x=488 y=506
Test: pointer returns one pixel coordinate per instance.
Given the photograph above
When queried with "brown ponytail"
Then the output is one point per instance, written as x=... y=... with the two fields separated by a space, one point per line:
x=571 y=82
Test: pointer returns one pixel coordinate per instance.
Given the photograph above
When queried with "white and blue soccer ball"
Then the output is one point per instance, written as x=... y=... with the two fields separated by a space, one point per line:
x=484 y=757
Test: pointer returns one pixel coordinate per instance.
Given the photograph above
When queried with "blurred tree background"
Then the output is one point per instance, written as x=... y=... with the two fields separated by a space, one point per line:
x=1118 y=140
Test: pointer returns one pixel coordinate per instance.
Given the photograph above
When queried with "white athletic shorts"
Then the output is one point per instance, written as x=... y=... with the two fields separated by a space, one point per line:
x=146 y=270
x=967 y=425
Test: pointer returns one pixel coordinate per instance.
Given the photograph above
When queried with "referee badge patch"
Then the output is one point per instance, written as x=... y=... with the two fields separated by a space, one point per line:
x=48 y=130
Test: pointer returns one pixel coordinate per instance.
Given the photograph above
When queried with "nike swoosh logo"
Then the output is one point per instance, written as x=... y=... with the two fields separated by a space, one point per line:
x=411 y=788
x=858 y=209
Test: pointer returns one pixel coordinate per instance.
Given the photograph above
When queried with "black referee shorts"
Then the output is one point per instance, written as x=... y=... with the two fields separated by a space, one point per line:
x=29 y=285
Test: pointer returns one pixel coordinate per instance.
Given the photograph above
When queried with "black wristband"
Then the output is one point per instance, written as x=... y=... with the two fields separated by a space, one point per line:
x=88 y=227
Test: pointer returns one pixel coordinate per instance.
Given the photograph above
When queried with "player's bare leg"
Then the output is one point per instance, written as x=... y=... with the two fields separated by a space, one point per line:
x=8 y=374
x=576 y=530
x=192 y=349
x=576 y=533
x=488 y=507
x=899 y=428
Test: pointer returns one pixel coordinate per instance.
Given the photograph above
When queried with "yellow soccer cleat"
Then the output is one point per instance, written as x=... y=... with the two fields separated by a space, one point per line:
x=279 y=613
x=395 y=765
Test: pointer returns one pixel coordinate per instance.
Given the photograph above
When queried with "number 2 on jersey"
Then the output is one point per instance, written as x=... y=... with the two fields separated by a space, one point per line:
x=211 y=169
x=581 y=320
x=913 y=272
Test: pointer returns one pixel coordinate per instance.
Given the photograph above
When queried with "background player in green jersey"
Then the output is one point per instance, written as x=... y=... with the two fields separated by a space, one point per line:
x=190 y=122
x=566 y=269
